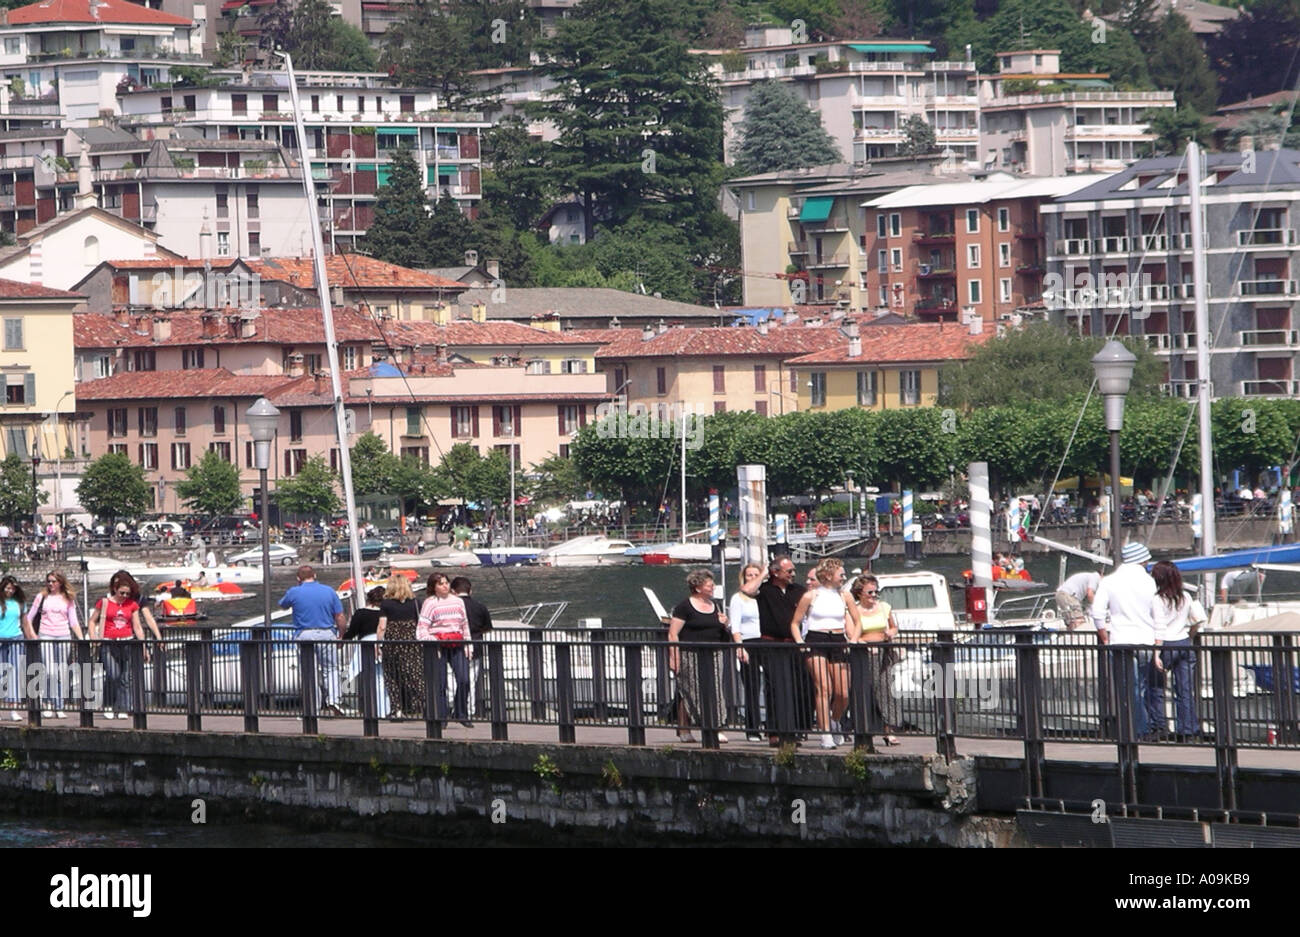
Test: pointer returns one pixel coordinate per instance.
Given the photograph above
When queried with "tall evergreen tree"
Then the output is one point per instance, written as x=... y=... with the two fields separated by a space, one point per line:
x=431 y=48
x=1178 y=64
x=1259 y=52
x=1142 y=20
x=450 y=232
x=401 y=230
x=639 y=120
x=781 y=132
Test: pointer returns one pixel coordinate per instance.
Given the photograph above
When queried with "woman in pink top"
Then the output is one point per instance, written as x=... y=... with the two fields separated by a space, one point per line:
x=56 y=607
x=443 y=619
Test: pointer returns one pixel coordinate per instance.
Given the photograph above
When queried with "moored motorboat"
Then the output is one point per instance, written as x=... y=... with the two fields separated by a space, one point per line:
x=589 y=550
x=506 y=556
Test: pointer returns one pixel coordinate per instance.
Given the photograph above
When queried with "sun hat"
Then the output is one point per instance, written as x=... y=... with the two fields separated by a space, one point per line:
x=1136 y=553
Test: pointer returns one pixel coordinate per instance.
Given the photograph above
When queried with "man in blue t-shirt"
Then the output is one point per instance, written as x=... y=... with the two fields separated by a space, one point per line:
x=318 y=616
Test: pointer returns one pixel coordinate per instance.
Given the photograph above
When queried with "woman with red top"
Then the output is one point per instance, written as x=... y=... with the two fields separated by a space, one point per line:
x=443 y=619
x=115 y=620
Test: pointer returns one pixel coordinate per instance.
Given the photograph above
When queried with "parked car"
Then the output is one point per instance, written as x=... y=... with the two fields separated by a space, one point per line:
x=371 y=548
x=155 y=531
x=281 y=555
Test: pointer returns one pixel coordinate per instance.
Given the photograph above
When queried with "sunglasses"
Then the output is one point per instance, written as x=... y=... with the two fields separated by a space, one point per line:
x=868 y=591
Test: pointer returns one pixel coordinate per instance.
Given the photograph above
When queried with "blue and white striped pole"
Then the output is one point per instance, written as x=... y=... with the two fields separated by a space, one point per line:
x=1196 y=519
x=911 y=530
x=714 y=508
x=715 y=542
x=779 y=533
x=978 y=598
x=1285 y=515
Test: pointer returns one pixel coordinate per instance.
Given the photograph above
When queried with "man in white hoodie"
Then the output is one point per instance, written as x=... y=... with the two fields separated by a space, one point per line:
x=1123 y=610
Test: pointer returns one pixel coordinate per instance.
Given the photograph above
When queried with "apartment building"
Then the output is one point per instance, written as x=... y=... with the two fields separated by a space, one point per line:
x=882 y=367
x=355 y=122
x=78 y=53
x=1040 y=121
x=937 y=250
x=64 y=250
x=1122 y=250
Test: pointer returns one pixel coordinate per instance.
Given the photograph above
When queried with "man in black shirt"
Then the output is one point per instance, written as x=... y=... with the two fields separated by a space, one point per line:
x=480 y=622
x=778 y=596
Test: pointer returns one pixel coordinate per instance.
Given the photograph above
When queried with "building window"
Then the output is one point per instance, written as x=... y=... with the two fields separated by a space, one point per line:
x=14 y=334
x=294 y=460
x=507 y=449
x=117 y=448
x=1004 y=219
x=505 y=421
x=414 y=421
x=147 y=420
x=338 y=102
x=295 y=425
x=315 y=103
x=239 y=104
x=222 y=449
x=719 y=406
x=419 y=453
x=180 y=455
x=573 y=366
x=180 y=421
x=817 y=384
x=564 y=450
x=760 y=407
x=568 y=418
x=117 y=422
x=749 y=203
x=881 y=230
x=895 y=225
x=219 y=420
x=866 y=388
x=349 y=358
x=191 y=358
x=909 y=387
x=972 y=221
x=223 y=243
x=270 y=102
x=250 y=460
x=1004 y=255
x=144 y=359
x=223 y=204
x=719 y=378
x=1004 y=290
x=537 y=366
x=760 y=378
x=661 y=381
x=464 y=422
x=311 y=363
x=896 y=258
x=972 y=255
x=20 y=389
x=254 y=244
x=148 y=455
x=251 y=200
x=973 y=290
x=882 y=261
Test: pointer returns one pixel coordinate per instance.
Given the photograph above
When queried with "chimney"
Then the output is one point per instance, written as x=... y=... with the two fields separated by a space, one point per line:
x=663 y=327
x=86 y=197
x=837 y=313
x=294 y=367
x=762 y=326
x=791 y=317
x=122 y=315
x=814 y=323
x=336 y=294
x=442 y=352
x=141 y=324
x=1246 y=143
x=852 y=330
x=548 y=320
x=478 y=312
x=855 y=347
x=248 y=324
x=211 y=324
x=471 y=258
x=162 y=328
x=647 y=333
x=322 y=381
x=494 y=269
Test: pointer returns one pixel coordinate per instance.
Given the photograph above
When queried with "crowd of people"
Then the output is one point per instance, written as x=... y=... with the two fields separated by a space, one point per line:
x=822 y=617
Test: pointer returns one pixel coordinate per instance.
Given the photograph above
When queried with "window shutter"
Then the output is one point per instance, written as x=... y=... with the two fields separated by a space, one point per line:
x=496 y=421
x=288 y=463
x=473 y=412
x=519 y=417
x=454 y=433
x=559 y=413
x=582 y=415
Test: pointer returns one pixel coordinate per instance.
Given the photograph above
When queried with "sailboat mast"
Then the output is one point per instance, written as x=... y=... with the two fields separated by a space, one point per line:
x=331 y=342
x=683 y=474
x=1202 y=307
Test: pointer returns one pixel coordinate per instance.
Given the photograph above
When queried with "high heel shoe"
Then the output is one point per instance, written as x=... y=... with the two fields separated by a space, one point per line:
x=890 y=739
x=685 y=737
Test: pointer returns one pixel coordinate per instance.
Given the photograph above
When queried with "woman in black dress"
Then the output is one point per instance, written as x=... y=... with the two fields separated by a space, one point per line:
x=364 y=626
x=697 y=619
x=403 y=670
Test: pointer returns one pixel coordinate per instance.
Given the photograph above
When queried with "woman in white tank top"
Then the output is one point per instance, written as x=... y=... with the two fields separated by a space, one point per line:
x=821 y=621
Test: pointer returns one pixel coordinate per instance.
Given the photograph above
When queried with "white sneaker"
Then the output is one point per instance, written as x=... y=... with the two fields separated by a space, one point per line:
x=124 y=715
x=722 y=739
x=16 y=716
x=827 y=740
x=837 y=738
x=109 y=714
x=60 y=715
x=47 y=713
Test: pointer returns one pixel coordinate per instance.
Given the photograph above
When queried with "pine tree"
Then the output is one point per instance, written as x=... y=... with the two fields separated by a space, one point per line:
x=1256 y=54
x=401 y=230
x=781 y=132
x=450 y=232
x=1177 y=64
x=431 y=48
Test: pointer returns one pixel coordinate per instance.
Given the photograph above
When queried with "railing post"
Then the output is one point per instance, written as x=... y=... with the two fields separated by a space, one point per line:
x=536 y=675
x=860 y=704
x=369 y=701
x=250 y=676
x=1123 y=661
x=139 y=718
x=497 y=682
x=79 y=655
x=33 y=702
x=1284 y=701
x=564 y=691
x=193 y=686
x=435 y=688
x=1029 y=689
x=706 y=663
x=599 y=692
x=635 y=703
x=307 y=685
x=158 y=663
x=1225 y=731
x=944 y=656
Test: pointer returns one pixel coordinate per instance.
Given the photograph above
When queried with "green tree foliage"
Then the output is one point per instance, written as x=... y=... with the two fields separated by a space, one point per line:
x=16 y=503
x=1173 y=128
x=643 y=255
x=1266 y=130
x=401 y=232
x=1039 y=362
x=1250 y=434
x=113 y=487
x=310 y=493
x=373 y=466
x=1141 y=18
x=499 y=32
x=484 y=480
x=918 y=137
x=947 y=22
x=211 y=487
x=414 y=481
x=232 y=49
x=781 y=132
x=557 y=479
x=639 y=120
x=430 y=47
x=1259 y=52
x=449 y=234
x=1178 y=64
x=517 y=184
x=912 y=447
x=819 y=16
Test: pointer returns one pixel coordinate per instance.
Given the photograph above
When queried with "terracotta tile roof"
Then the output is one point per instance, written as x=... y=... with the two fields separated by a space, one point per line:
x=206 y=382
x=353 y=271
x=721 y=342
x=273 y=326
x=891 y=344
x=598 y=336
x=465 y=334
x=16 y=289
x=188 y=263
x=459 y=399
x=108 y=11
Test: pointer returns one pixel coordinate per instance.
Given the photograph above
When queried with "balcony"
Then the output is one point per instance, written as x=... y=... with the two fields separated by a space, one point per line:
x=1075 y=246
x=1028 y=231
x=198 y=172
x=1184 y=389
x=936 y=305
x=1266 y=237
x=796 y=247
x=1266 y=288
x=833 y=224
x=7 y=202
x=1156 y=342
x=1103 y=131
x=1030 y=270
x=1268 y=338
x=1187 y=341
x=1115 y=245
x=884 y=67
x=950 y=67
x=1151 y=242
x=1275 y=388
x=956 y=133
x=880 y=134
x=944 y=270
x=933 y=237
x=828 y=260
x=1090 y=298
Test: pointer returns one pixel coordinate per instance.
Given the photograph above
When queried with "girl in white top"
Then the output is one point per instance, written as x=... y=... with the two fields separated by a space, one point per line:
x=830 y=614
x=742 y=618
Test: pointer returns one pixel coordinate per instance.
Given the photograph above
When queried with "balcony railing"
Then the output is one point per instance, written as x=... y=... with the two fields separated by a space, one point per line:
x=959 y=132
x=950 y=67
x=1256 y=338
x=1157 y=341
x=1115 y=245
x=1266 y=288
x=1281 y=387
x=1028 y=231
x=923 y=237
x=1262 y=237
x=832 y=223
x=1075 y=246
x=198 y=172
x=884 y=67
x=1068 y=97
x=876 y=133
x=829 y=260
x=797 y=247
x=1184 y=389
x=945 y=269
x=937 y=304
x=7 y=202
x=1030 y=269
x=1107 y=130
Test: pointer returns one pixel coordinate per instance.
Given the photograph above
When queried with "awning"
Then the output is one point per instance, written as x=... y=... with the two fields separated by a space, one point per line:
x=891 y=47
x=400 y=131
x=817 y=209
x=381 y=177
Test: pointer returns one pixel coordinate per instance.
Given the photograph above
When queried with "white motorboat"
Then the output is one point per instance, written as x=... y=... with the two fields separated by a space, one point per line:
x=213 y=574
x=590 y=550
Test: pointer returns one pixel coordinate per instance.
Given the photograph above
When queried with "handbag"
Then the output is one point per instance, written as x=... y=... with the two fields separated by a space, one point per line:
x=451 y=637
x=36 y=619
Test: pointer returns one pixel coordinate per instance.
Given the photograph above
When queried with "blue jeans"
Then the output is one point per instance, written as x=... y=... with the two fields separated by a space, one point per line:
x=14 y=655
x=1139 y=677
x=55 y=654
x=116 y=658
x=455 y=655
x=1180 y=662
x=327 y=662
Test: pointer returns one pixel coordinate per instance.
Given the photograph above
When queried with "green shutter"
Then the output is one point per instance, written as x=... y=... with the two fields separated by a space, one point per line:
x=29 y=389
x=383 y=173
x=448 y=172
x=891 y=47
x=816 y=209
x=431 y=176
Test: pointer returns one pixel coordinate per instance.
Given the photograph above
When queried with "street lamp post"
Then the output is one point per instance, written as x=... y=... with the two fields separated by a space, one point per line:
x=263 y=418
x=1113 y=366
x=36 y=504
x=848 y=486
